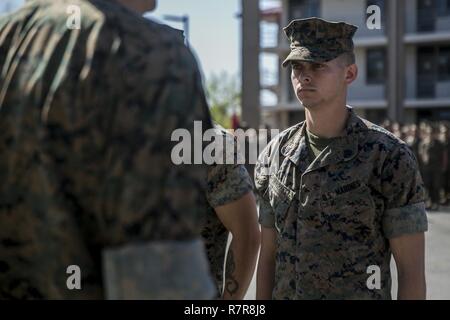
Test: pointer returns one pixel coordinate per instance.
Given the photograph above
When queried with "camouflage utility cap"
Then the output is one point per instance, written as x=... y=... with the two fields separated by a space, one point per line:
x=318 y=40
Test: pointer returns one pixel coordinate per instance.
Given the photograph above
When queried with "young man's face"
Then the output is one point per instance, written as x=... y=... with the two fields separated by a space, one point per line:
x=318 y=84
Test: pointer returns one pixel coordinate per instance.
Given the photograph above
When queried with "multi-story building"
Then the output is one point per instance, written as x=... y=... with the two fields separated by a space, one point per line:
x=404 y=67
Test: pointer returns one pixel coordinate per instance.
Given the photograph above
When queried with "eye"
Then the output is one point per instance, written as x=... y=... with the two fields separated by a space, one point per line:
x=318 y=66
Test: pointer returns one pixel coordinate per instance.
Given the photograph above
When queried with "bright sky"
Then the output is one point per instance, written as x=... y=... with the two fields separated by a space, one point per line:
x=214 y=31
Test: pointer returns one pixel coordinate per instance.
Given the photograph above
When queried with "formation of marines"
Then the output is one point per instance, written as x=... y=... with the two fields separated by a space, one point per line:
x=429 y=140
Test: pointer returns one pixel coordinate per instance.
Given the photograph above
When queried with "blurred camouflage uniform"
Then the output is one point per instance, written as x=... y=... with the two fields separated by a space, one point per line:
x=446 y=138
x=226 y=184
x=431 y=153
x=443 y=139
x=412 y=139
x=436 y=151
x=334 y=214
x=87 y=117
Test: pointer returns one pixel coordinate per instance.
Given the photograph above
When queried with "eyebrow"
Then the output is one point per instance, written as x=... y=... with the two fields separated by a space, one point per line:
x=314 y=64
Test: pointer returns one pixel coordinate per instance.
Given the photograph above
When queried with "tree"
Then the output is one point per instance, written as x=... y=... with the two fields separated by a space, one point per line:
x=224 y=97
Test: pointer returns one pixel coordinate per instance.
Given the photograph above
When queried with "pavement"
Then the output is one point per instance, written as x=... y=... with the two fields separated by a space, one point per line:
x=437 y=259
x=437 y=255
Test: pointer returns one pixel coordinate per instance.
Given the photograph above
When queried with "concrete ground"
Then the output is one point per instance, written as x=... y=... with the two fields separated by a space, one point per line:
x=437 y=259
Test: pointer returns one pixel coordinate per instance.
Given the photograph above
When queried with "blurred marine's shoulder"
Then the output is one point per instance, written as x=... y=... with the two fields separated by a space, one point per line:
x=99 y=16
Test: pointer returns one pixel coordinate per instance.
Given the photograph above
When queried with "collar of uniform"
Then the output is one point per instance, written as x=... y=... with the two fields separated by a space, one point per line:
x=343 y=148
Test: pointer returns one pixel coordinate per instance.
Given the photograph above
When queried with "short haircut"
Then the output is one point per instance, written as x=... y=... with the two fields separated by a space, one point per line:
x=348 y=58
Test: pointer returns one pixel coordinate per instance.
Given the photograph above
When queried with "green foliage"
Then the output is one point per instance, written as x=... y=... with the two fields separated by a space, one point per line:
x=224 y=97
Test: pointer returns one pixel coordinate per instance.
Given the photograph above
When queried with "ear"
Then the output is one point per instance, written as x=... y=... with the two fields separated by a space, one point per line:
x=351 y=73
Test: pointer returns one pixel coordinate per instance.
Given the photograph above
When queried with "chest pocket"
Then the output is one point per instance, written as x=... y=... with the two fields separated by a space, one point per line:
x=350 y=206
x=281 y=198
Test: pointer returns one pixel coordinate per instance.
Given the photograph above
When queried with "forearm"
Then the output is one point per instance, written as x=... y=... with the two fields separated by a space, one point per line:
x=265 y=278
x=409 y=255
x=240 y=266
x=411 y=287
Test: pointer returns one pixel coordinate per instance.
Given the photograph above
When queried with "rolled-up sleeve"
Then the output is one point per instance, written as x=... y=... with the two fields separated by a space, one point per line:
x=227 y=183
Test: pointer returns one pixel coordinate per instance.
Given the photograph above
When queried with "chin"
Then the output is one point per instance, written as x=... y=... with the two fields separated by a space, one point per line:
x=147 y=6
x=152 y=5
x=308 y=104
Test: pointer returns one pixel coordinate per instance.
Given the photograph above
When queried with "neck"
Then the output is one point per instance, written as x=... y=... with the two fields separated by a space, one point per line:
x=137 y=6
x=328 y=122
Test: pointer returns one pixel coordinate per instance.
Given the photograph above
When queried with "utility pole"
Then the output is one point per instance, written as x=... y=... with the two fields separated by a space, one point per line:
x=251 y=112
x=396 y=60
x=184 y=19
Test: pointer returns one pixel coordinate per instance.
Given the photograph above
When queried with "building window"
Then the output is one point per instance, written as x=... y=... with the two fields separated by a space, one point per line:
x=434 y=63
x=376 y=66
x=444 y=64
x=443 y=8
x=426 y=71
x=426 y=15
x=304 y=9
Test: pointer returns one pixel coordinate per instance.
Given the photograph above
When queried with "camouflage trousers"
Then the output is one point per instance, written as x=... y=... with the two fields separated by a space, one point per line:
x=433 y=181
x=158 y=270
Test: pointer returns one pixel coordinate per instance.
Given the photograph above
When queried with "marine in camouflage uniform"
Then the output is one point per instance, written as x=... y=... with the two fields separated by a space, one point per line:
x=445 y=131
x=436 y=162
x=431 y=154
x=334 y=214
x=87 y=117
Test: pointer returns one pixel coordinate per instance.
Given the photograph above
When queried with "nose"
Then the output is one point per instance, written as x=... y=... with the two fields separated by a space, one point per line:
x=305 y=78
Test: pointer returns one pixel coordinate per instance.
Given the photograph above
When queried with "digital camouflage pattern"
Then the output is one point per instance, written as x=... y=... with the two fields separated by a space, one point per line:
x=334 y=214
x=318 y=40
x=87 y=117
x=226 y=184
x=178 y=276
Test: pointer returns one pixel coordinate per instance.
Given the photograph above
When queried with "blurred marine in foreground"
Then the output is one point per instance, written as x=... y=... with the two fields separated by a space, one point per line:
x=86 y=117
